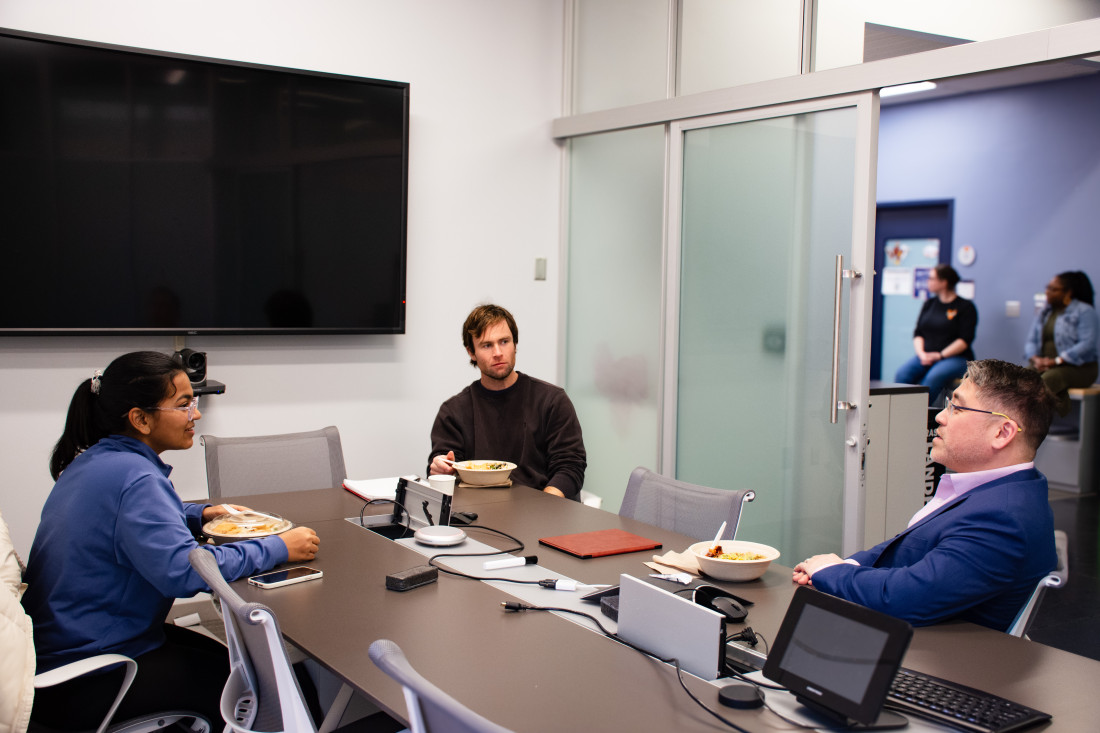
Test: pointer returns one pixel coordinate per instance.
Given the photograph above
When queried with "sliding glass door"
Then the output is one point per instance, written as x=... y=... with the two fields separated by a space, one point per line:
x=765 y=384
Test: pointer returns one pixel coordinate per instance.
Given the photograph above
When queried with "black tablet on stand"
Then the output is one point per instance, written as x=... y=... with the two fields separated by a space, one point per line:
x=839 y=659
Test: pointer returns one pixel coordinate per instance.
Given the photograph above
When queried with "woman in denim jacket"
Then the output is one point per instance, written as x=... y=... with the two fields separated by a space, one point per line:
x=1062 y=344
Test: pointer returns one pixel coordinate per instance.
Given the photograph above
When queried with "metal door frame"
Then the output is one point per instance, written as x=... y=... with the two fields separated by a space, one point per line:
x=859 y=259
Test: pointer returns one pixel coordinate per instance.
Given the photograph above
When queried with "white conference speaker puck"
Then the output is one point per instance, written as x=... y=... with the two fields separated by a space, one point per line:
x=439 y=536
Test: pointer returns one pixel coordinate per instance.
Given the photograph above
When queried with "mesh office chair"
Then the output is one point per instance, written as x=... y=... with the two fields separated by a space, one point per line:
x=431 y=710
x=264 y=464
x=697 y=511
x=182 y=720
x=1054 y=579
x=262 y=693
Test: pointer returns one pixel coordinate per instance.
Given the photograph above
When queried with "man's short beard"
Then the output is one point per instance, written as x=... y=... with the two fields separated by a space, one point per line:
x=503 y=377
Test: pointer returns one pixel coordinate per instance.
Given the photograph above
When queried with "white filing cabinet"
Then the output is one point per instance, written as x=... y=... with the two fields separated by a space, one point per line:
x=896 y=471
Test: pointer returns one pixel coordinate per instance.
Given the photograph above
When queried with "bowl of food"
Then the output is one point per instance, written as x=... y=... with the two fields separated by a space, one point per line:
x=484 y=473
x=733 y=559
x=244 y=526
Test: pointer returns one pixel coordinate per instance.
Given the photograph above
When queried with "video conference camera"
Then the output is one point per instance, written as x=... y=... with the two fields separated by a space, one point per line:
x=194 y=365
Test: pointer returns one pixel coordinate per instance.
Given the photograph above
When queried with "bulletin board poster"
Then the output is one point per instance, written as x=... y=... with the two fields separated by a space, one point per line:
x=920 y=282
x=904 y=290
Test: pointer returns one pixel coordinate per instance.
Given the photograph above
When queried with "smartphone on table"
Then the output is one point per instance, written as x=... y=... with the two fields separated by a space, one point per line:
x=289 y=576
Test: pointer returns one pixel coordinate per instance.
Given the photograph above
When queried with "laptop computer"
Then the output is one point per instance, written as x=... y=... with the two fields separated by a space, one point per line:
x=667 y=625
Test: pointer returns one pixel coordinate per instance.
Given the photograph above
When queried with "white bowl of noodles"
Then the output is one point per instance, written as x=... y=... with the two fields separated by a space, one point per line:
x=484 y=473
x=737 y=560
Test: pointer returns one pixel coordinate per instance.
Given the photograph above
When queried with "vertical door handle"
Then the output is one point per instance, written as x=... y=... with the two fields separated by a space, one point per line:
x=834 y=403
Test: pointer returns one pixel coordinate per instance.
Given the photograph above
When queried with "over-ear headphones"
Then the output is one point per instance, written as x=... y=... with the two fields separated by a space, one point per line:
x=722 y=601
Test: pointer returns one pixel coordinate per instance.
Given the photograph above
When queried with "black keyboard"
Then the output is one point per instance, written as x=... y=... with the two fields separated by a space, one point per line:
x=957 y=705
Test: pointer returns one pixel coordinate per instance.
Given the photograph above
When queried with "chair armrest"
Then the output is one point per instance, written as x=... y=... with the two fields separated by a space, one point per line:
x=82 y=667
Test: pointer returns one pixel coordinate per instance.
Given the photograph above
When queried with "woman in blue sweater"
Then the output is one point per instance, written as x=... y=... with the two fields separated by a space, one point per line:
x=110 y=554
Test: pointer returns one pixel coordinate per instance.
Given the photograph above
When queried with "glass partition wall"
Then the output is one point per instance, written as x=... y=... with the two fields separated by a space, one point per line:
x=716 y=317
x=699 y=309
x=614 y=308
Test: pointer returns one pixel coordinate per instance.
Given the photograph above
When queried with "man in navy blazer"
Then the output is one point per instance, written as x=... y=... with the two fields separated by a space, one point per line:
x=976 y=551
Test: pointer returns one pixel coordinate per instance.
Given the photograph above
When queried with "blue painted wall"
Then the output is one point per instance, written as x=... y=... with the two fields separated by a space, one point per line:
x=1023 y=167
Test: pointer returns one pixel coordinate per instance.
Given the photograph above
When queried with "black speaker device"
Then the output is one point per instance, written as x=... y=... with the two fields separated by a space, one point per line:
x=194 y=365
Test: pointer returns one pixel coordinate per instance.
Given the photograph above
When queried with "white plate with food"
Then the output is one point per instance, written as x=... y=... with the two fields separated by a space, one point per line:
x=244 y=525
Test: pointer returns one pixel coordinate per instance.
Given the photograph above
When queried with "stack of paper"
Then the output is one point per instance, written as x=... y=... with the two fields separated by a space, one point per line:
x=372 y=488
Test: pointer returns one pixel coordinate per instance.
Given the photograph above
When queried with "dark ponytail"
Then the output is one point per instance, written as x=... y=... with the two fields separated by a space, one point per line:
x=101 y=405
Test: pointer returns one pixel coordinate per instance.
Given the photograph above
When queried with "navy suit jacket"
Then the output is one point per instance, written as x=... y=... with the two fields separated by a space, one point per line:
x=976 y=559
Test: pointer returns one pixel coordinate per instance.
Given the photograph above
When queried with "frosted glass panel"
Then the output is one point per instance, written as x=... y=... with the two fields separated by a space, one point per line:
x=724 y=43
x=614 y=305
x=841 y=29
x=767 y=206
x=620 y=53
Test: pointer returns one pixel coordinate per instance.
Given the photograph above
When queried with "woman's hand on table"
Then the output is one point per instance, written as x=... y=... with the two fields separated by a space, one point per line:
x=301 y=543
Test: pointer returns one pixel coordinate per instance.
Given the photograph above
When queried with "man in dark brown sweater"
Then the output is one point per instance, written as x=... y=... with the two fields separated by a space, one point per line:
x=509 y=416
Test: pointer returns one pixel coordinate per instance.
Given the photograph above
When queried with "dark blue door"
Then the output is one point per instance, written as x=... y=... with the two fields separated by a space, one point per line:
x=922 y=220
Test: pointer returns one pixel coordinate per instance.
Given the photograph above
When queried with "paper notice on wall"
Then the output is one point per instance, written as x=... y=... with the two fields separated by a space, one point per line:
x=897 y=281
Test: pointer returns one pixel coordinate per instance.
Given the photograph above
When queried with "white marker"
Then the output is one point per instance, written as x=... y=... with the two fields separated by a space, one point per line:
x=510 y=562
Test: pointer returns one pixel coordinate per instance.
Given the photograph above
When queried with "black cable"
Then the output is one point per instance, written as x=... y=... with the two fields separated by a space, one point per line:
x=741 y=675
x=519 y=548
x=514 y=606
x=763 y=685
x=385 y=501
x=789 y=721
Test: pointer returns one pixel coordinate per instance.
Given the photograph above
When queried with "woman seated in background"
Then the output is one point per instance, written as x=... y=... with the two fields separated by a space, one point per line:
x=943 y=335
x=110 y=553
x=1062 y=342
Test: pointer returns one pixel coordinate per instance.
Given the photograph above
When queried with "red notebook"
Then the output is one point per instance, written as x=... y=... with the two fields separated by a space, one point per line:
x=599 y=543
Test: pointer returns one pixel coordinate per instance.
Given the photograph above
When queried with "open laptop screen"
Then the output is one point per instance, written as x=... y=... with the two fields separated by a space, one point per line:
x=837 y=656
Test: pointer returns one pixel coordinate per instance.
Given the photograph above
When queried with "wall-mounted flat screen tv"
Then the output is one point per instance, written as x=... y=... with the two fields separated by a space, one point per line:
x=151 y=193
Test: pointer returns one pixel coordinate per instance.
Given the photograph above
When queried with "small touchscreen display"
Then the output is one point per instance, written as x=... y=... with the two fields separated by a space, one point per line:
x=837 y=656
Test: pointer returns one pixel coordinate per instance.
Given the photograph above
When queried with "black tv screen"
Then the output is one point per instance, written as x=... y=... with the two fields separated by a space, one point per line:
x=143 y=192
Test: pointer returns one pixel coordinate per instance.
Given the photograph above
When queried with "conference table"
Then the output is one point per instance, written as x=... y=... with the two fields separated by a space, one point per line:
x=536 y=671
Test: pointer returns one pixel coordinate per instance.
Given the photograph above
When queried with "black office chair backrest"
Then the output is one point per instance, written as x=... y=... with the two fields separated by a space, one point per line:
x=252 y=655
x=266 y=464
x=697 y=511
x=431 y=710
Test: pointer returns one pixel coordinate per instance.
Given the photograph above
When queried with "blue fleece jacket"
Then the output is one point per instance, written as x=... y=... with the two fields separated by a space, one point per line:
x=110 y=554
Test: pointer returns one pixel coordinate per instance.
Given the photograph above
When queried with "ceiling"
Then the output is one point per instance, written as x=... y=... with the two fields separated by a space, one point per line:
x=881 y=42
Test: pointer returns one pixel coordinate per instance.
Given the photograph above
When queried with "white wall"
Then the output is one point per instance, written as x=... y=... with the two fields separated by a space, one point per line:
x=484 y=190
